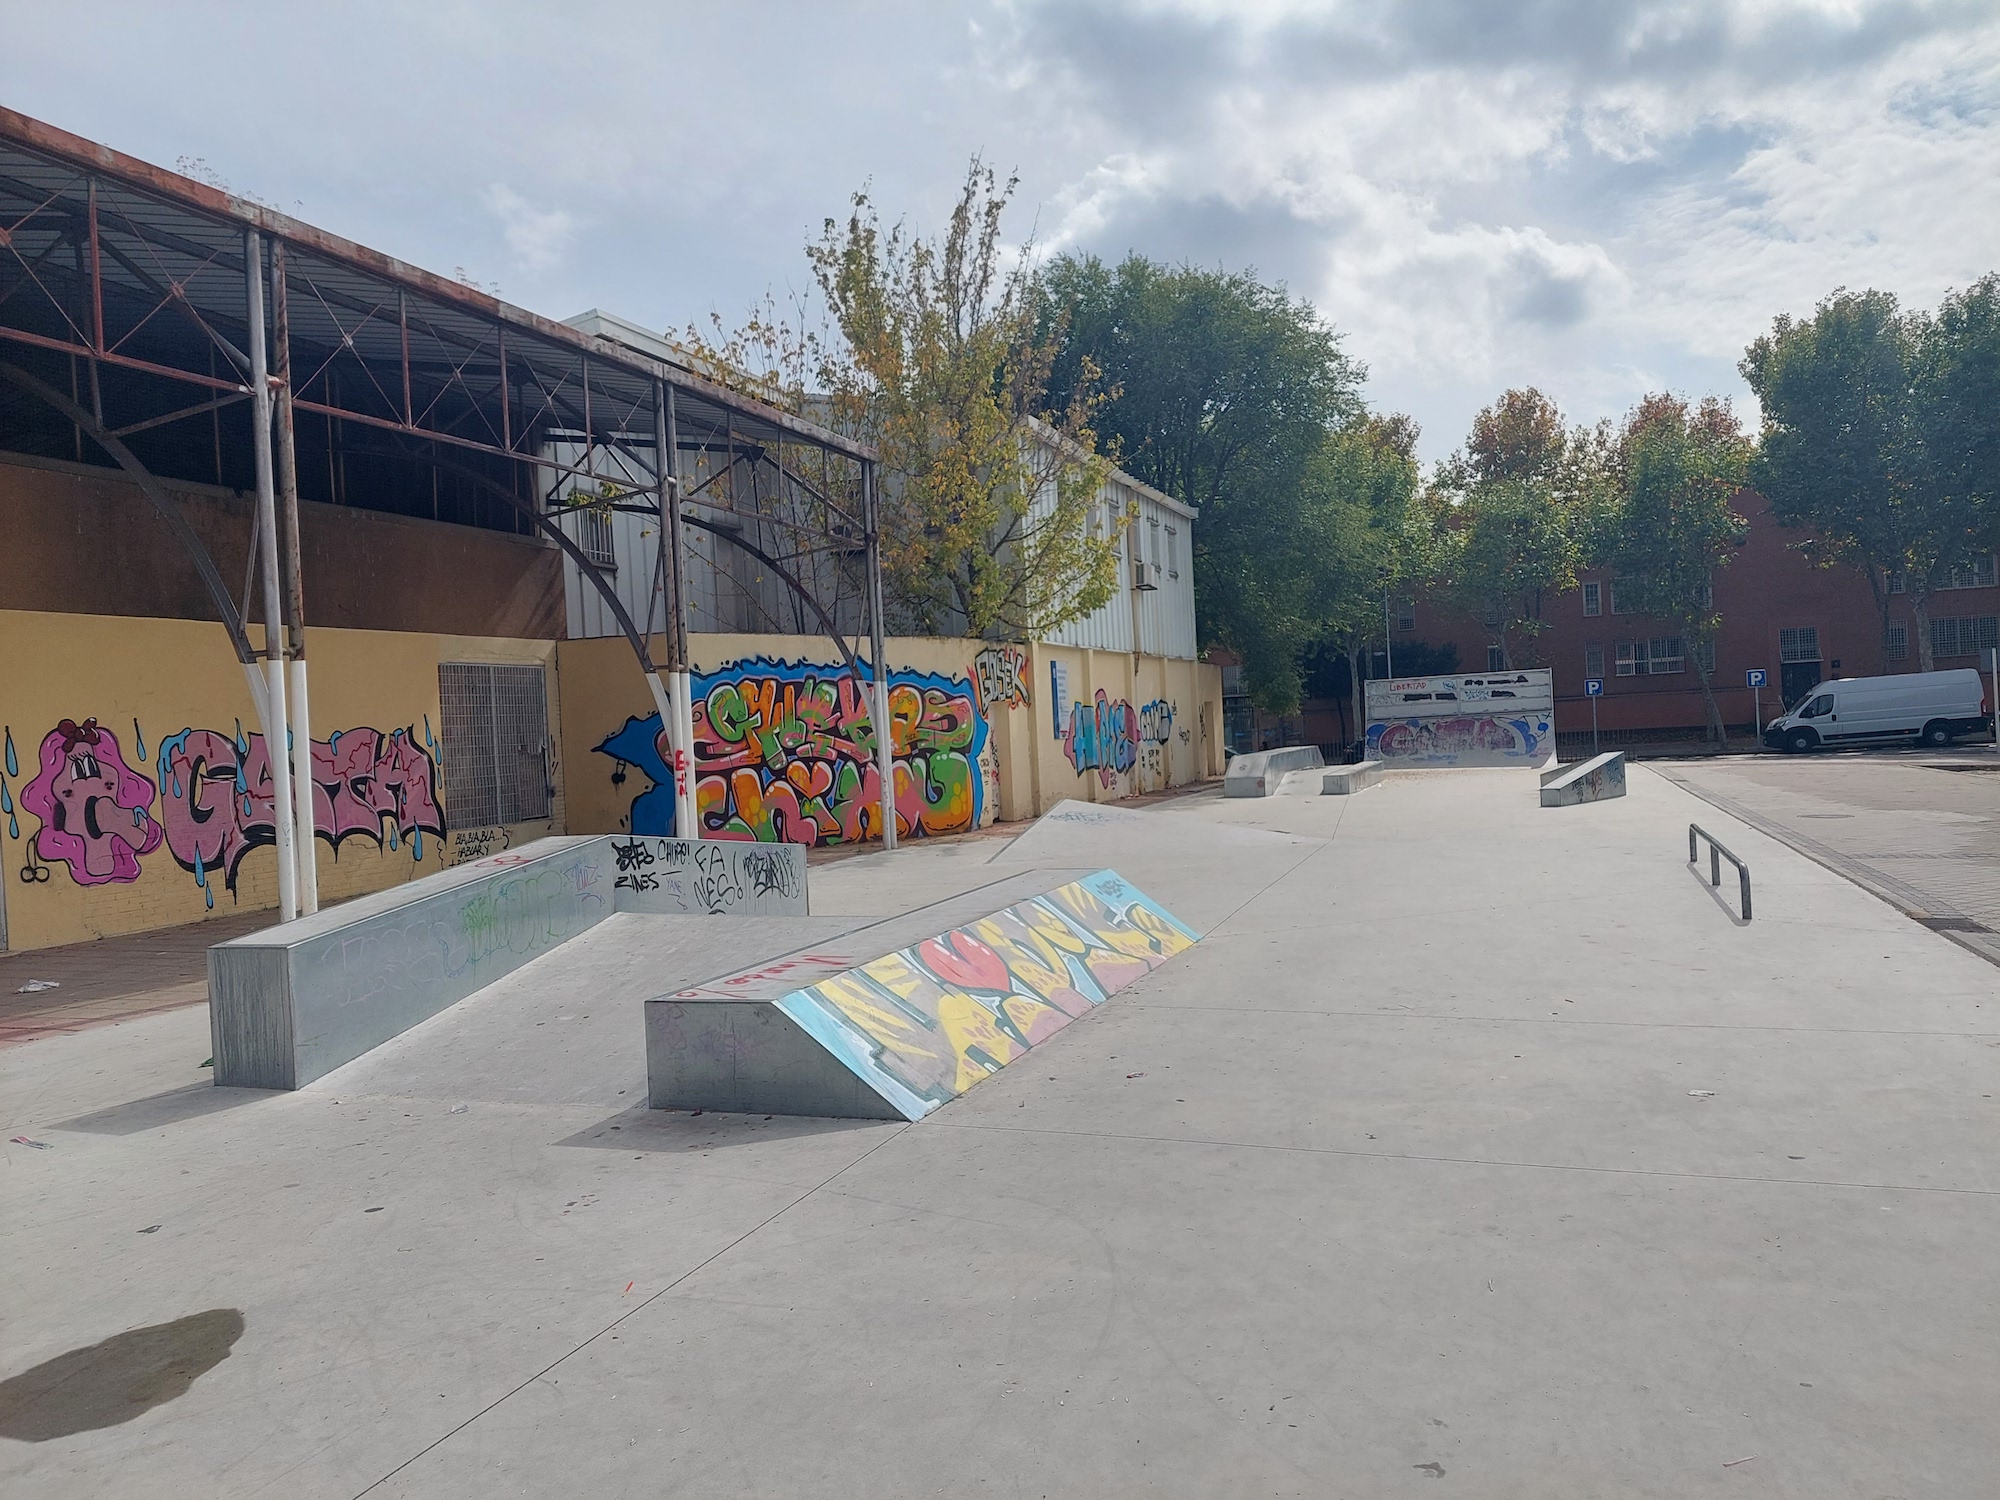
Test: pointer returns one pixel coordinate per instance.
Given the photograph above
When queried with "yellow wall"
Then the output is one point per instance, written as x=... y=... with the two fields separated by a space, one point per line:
x=144 y=681
x=1023 y=768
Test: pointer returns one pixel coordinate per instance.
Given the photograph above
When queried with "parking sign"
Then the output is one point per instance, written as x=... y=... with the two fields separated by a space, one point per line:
x=1754 y=677
x=1593 y=686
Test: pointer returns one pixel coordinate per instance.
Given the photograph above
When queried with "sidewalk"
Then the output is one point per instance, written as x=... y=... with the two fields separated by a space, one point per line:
x=112 y=979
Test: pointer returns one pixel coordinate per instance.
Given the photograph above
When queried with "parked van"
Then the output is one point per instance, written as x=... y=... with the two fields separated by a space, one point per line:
x=1928 y=707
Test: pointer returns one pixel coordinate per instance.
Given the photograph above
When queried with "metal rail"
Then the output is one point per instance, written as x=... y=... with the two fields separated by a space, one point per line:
x=1716 y=854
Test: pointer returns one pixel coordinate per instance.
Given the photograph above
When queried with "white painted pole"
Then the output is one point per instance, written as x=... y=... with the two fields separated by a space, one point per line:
x=275 y=748
x=302 y=788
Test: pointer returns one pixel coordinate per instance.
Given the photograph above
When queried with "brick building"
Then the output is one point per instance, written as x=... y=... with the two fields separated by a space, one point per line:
x=1780 y=612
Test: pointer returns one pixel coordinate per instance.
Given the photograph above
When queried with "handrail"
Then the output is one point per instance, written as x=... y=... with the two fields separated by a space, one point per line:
x=1716 y=854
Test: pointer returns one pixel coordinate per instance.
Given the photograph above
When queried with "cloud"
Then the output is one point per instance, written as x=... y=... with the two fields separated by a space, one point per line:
x=538 y=238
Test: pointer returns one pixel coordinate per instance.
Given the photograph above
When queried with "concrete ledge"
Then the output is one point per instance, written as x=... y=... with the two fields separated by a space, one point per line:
x=1262 y=772
x=293 y=1002
x=1342 y=781
x=877 y=1026
x=1592 y=780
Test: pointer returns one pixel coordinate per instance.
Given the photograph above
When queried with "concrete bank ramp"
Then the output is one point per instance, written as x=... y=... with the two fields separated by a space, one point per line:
x=896 y=1018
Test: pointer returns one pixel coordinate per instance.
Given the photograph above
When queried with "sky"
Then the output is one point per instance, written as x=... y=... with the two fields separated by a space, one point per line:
x=1598 y=197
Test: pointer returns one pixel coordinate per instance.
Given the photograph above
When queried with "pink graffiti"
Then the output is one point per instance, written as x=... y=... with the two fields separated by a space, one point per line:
x=217 y=794
x=94 y=808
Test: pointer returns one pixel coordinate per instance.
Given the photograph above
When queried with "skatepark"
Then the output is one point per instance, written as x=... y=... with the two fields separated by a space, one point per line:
x=1423 y=1139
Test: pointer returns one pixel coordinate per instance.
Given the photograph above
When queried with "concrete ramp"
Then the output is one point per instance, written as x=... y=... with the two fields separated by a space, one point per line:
x=1592 y=780
x=876 y=1026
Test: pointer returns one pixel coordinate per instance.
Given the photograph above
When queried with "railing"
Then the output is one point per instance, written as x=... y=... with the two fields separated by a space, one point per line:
x=1716 y=854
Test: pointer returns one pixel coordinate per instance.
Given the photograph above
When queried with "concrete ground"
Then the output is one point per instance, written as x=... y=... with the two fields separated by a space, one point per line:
x=1282 y=1218
x=1919 y=828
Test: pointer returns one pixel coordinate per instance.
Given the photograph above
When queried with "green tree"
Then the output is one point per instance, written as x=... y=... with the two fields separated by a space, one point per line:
x=1226 y=393
x=1511 y=513
x=1879 y=436
x=1668 y=527
x=991 y=518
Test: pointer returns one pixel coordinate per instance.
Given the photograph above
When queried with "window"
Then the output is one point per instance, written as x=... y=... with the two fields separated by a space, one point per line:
x=1704 y=656
x=1593 y=661
x=1593 y=599
x=1819 y=708
x=1799 y=644
x=593 y=538
x=1618 y=608
x=496 y=742
x=1173 y=554
x=1496 y=658
x=1406 y=615
x=1977 y=574
x=1896 y=642
x=1654 y=658
x=1895 y=580
x=1964 y=636
x=1705 y=595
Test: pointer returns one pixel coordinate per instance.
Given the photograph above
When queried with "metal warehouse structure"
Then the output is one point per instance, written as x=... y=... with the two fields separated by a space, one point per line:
x=189 y=334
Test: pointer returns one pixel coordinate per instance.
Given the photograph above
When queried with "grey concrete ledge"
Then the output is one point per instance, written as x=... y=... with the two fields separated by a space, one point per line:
x=1262 y=772
x=1343 y=781
x=293 y=1002
x=1593 y=780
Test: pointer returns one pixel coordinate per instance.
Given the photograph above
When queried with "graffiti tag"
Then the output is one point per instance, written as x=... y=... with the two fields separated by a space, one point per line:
x=1001 y=675
x=1103 y=738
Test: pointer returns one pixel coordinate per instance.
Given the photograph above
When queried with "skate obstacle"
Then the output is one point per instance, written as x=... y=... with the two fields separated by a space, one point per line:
x=1261 y=772
x=1593 y=780
x=295 y=1001
x=892 y=1020
x=1344 y=781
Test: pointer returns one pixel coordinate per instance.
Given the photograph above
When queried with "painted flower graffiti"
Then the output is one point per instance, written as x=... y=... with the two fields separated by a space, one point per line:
x=785 y=753
x=95 y=809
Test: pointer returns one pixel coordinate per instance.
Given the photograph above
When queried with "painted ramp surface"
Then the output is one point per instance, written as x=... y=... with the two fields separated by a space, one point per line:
x=915 y=1027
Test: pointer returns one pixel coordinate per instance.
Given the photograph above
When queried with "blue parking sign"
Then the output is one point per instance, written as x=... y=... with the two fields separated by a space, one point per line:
x=1754 y=677
x=1593 y=687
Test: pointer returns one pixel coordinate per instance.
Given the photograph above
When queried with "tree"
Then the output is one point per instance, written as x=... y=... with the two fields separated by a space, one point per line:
x=1876 y=439
x=991 y=518
x=1511 y=512
x=1668 y=527
x=1226 y=393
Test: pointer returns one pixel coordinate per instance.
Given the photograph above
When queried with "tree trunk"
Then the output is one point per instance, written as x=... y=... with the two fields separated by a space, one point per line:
x=1718 y=730
x=1876 y=588
x=1354 y=683
x=1920 y=606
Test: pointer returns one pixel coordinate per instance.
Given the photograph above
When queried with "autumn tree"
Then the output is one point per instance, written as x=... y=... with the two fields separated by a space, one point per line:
x=991 y=517
x=1511 y=512
x=1668 y=527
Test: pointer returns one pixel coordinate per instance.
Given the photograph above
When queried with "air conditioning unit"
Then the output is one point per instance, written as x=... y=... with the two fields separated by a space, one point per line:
x=1145 y=575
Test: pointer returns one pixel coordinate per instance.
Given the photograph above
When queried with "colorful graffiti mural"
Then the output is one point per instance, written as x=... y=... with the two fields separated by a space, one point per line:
x=95 y=809
x=785 y=753
x=1001 y=675
x=924 y=1024
x=1103 y=737
x=1461 y=740
x=216 y=795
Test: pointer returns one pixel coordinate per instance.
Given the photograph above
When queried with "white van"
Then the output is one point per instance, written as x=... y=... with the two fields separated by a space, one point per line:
x=1928 y=707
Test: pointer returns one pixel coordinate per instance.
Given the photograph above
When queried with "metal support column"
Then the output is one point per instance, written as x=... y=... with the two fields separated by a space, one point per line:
x=674 y=614
x=885 y=750
x=298 y=715
x=273 y=705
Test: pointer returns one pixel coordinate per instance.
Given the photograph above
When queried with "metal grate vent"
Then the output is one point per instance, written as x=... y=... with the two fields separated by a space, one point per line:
x=496 y=743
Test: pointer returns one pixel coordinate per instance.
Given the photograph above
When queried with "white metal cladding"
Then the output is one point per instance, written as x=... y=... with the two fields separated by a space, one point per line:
x=1161 y=619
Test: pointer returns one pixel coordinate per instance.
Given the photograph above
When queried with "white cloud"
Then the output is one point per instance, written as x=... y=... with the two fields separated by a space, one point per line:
x=538 y=238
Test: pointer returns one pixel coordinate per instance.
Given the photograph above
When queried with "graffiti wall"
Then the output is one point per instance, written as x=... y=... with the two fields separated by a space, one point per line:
x=785 y=753
x=926 y=1023
x=1001 y=675
x=97 y=812
x=1488 y=719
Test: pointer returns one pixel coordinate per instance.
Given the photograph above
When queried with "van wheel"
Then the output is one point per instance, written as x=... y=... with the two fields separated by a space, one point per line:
x=1799 y=741
x=1937 y=734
